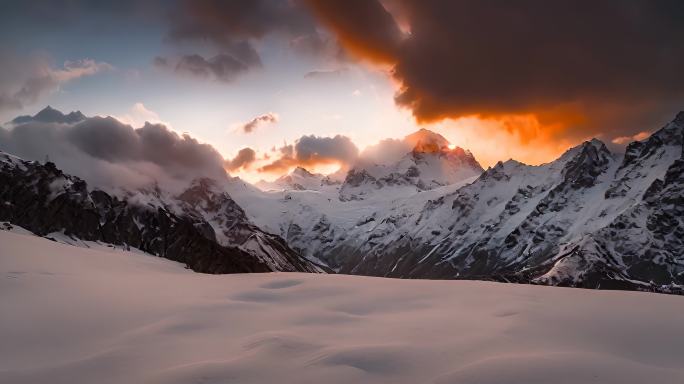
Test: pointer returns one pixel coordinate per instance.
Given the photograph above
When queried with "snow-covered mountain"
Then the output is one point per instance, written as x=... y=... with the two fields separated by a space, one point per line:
x=201 y=227
x=414 y=208
x=591 y=218
x=299 y=180
x=50 y=115
x=318 y=220
x=429 y=162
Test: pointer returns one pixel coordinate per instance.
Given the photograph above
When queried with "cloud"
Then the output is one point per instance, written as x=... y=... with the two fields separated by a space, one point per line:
x=227 y=22
x=110 y=154
x=581 y=67
x=222 y=67
x=161 y=62
x=313 y=147
x=244 y=158
x=364 y=28
x=79 y=68
x=139 y=114
x=258 y=121
x=26 y=80
x=232 y=28
x=318 y=44
x=313 y=150
x=628 y=139
x=387 y=151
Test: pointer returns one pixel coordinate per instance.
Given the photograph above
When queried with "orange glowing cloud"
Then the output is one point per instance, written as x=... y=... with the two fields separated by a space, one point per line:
x=364 y=28
x=544 y=76
x=314 y=153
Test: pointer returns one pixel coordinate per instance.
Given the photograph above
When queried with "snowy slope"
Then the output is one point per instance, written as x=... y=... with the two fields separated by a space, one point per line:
x=82 y=315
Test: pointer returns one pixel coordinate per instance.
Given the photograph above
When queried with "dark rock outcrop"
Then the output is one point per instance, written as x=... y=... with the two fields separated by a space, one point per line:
x=44 y=200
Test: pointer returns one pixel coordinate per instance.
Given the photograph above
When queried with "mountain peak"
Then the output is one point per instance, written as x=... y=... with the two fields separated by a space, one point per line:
x=460 y=152
x=50 y=115
x=590 y=159
x=426 y=141
x=671 y=134
x=300 y=171
x=679 y=119
x=596 y=143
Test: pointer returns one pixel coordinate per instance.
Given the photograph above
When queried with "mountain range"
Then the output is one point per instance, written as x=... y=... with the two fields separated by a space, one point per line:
x=201 y=227
x=591 y=218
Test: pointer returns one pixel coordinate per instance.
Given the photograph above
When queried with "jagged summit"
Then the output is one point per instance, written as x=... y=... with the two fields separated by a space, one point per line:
x=679 y=119
x=300 y=171
x=50 y=115
x=590 y=218
x=298 y=179
x=429 y=161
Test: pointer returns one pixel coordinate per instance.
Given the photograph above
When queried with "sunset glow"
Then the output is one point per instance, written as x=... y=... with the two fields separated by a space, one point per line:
x=318 y=78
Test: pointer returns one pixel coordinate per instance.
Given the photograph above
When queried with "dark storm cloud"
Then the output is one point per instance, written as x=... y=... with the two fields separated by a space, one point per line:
x=313 y=150
x=109 y=154
x=225 y=22
x=232 y=27
x=607 y=63
x=58 y=13
x=363 y=27
x=244 y=158
x=256 y=122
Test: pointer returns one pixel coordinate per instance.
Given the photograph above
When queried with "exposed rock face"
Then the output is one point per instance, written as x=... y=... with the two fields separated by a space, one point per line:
x=42 y=199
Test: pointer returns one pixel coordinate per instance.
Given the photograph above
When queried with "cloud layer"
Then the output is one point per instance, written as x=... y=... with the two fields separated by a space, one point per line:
x=609 y=65
x=111 y=155
x=311 y=150
x=232 y=28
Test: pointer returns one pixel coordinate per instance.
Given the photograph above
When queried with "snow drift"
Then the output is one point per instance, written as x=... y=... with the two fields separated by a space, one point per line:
x=73 y=314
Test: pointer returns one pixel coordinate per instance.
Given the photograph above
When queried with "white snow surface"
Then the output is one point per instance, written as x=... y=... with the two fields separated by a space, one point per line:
x=78 y=315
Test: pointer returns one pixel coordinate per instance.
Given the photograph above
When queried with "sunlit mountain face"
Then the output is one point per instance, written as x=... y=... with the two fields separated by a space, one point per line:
x=275 y=85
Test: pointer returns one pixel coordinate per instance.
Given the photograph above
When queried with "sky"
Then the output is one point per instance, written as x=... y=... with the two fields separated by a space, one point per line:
x=275 y=84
